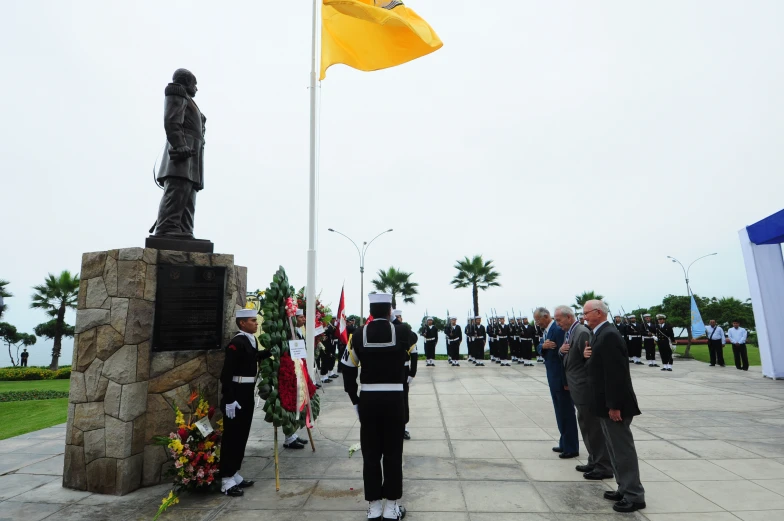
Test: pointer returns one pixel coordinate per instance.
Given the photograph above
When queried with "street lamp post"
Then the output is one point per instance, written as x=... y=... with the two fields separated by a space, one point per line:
x=361 y=252
x=688 y=291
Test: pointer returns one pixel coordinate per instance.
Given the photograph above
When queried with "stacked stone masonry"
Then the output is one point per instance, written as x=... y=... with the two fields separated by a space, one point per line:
x=122 y=393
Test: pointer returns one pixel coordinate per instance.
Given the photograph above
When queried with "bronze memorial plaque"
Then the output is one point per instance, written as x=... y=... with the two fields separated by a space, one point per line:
x=189 y=308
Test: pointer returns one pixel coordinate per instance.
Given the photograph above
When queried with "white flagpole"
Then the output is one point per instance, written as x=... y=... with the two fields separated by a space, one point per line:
x=310 y=288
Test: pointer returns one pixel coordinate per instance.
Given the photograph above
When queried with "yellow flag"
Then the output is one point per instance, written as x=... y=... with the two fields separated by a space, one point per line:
x=373 y=34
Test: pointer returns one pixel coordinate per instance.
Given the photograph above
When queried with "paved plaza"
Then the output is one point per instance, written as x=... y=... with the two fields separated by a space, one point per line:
x=709 y=439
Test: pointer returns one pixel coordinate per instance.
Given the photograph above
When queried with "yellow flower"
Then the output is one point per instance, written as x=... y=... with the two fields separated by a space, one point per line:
x=211 y=459
x=208 y=444
x=183 y=460
x=176 y=445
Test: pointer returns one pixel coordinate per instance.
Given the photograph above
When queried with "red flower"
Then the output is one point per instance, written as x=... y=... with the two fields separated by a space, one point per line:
x=183 y=434
x=211 y=412
x=287 y=383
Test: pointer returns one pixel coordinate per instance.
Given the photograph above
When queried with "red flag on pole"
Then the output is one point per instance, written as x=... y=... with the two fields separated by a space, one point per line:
x=342 y=332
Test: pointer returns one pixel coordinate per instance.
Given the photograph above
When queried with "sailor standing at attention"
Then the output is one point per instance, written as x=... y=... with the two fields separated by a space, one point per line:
x=381 y=348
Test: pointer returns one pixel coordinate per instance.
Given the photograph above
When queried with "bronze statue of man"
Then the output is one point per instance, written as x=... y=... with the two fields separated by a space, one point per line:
x=182 y=168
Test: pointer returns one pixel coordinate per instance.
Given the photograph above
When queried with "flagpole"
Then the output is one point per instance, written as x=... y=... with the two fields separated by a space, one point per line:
x=310 y=289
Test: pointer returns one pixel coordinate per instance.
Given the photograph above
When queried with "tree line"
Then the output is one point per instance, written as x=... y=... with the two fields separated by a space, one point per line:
x=55 y=296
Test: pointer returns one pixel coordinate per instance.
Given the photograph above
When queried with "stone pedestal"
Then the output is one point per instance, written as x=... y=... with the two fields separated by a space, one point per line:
x=122 y=392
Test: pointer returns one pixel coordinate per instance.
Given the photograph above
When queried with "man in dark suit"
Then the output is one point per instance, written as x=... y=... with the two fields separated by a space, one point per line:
x=615 y=404
x=577 y=336
x=666 y=338
x=552 y=340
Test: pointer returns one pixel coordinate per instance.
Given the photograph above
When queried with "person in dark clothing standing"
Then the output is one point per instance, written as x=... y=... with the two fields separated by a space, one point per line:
x=634 y=339
x=454 y=336
x=480 y=337
x=716 y=341
x=615 y=404
x=238 y=379
x=24 y=356
x=430 y=333
x=666 y=337
x=503 y=342
x=381 y=348
x=649 y=340
x=737 y=337
x=527 y=337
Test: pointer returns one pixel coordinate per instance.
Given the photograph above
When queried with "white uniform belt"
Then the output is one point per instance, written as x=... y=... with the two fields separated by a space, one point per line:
x=381 y=387
x=407 y=364
x=501 y=337
x=431 y=339
x=454 y=340
x=244 y=379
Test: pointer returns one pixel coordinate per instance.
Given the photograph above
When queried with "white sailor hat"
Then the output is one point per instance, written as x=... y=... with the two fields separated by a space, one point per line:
x=429 y=318
x=300 y=313
x=319 y=331
x=661 y=316
x=480 y=318
x=452 y=318
x=380 y=298
x=646 y=314
x=630 y=317
x=397 y=312
x=525 y=318
x=246 y=313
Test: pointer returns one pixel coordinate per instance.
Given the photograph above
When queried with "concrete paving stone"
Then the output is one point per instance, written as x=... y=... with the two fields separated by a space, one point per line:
x=425 y=467
x=324 y=449
x=432 y=496
x=425 y=433
x=50 y=433
x=137 y=499
x=44 y=447
x=532 y=449
x=472 y=433
x=252 y=467
x=556 y=517
x=14 y=484
x=16 y=444
x=339 y=434
x=503 y=496
x=77 y=512
x=472 y=411
x=522 y=434
x=210 y=500
x=760 y=515
x=297 y=468
x=435 y=448
x=763 y=449
x=481 y=449
x=269 y=515
x=693 y=470
x=52 y=466
x=650 y=473
x=737 y=495
x=173 y=514
x=337 y=494
x=753 y=469
x=675 y=433
x=466 y=421
x=348 y=468
x=52 y=492
x=489 y=469
x=575 y=498
x=19 y=511
x=660 y=449
x=697 y=516
x=774 y=485
x=553 y=470
x=293 y=495
x=511 y=420
x=715 y=449
x=427 y=421
x=674 y=497
x=10 y=462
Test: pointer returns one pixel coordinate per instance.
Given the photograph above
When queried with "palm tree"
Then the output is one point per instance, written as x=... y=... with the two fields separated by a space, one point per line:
x=396 y=282
x=477 y=274
x=584 y=297
x=3 y=295
x=54 y=296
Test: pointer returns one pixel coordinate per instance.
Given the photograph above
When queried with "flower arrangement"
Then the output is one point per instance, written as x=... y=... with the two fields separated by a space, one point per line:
x=323 y=313
x=195 y=449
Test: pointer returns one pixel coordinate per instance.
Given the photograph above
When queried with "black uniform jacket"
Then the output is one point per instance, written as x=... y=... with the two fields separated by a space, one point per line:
x=430 y=333
x=665 y=330
x=609 y=380
x=452 y=333
x=241 y=360
x=528 y=331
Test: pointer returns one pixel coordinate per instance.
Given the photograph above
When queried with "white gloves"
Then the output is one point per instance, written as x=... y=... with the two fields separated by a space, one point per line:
x=410 y=379
x=231 y=409
x=356 y=410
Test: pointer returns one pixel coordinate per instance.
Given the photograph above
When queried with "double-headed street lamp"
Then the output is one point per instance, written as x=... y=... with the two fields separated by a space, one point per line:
x=686 y=270
x=361 y=252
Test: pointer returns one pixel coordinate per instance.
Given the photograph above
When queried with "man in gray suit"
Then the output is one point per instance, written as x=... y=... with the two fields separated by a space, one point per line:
x=578 y=335
x=614 y=403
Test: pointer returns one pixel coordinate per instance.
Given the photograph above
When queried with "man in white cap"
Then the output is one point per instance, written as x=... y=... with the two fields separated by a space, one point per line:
x=666 y=338
x=238 y=379
x=634 y=338
x=430 y=333
x=381 y=348
x=527 y=337
x=454 y=336
x=480 y=337
x=649 y=340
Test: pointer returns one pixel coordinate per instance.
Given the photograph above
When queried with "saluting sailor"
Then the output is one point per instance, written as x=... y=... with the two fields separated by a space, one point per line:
x=381 y=348
x=238 y=379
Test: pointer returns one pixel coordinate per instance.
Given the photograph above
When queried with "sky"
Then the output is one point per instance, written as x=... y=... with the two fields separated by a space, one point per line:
x=576 y=144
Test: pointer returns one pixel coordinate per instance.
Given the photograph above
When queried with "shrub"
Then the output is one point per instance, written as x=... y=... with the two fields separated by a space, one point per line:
x=18 y=396
x=34 y=373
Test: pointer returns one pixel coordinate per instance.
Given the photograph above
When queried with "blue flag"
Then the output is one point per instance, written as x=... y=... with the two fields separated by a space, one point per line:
x=697 y=325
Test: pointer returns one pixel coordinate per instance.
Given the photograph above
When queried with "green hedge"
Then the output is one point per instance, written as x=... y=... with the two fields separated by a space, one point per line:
x=34 y=373
x=19 y=396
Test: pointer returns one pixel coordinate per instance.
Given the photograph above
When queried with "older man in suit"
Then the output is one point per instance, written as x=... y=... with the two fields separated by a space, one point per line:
x=552 y=340
x=615 y=404
x=577 y=336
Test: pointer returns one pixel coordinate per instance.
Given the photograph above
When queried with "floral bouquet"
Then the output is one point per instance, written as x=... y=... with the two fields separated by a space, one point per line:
x=195 y=448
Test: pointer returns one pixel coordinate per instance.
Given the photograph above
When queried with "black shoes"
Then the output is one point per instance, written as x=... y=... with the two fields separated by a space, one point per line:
x=246 y=483
x=568 y=455
x=294 y=445
x=583 y=468
x=301 y=441
x=613 y=495
x=596 y=476
x=625 y=505
x=234 y=491
x=401 y=513
x=406 y=435
x=654 y=365
x=712 y=365
x=557 y=449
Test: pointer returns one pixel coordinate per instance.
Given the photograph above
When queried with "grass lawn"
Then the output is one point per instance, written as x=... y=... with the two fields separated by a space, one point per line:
x=22 y=417
x=700 y=352
x=35 y=385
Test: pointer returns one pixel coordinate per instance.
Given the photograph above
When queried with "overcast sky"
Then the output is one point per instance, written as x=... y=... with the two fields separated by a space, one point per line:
x=576 y=144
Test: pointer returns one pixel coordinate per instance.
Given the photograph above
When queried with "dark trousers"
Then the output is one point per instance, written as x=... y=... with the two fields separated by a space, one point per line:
x=479 y=350
x=492 y=348
x=341 y=348
x=650 y=348
x=178 y=204
x=593 y=439
x=381 y=416
x=527 y=348
x=665 y=352
x=24 y=361
x=327 y=360
x=716 y=350
x=740 y=354
x=453 y=350
x=635 y=347
x=623 y=455
x=430 y=350
x=503 y=349
x=566 y=420
x=236 y=430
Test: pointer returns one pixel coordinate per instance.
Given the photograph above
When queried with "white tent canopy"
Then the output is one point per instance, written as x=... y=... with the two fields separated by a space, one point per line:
x=762 y=254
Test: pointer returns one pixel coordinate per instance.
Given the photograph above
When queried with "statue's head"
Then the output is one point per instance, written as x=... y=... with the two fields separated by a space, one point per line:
x=186 y=78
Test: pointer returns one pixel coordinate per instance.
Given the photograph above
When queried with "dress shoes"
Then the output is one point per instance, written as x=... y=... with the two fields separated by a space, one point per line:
x=669 y=369
x=654 y=365
x=401 y=513
x=557 y=449
x=596 y=475
x=234 y=491
x=583 y=468
x=301 y=441
x=406 y=435
x=568 y=455
x=625 y=505
x=246 y=483
x=613 y=495
x=293 y=445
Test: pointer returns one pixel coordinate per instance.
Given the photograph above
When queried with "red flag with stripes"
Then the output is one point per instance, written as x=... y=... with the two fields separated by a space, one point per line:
x=342 y=332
